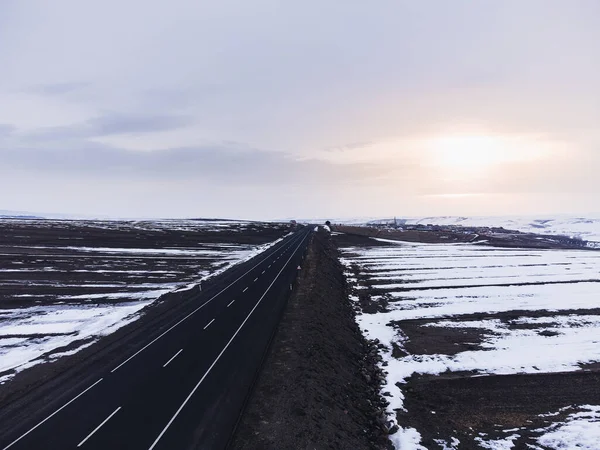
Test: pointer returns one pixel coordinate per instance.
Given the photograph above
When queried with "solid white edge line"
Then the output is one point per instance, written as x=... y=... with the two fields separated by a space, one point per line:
x=208 y=324
x=51 y=415
x=174 y=356
x=185 y=318
x=231 y=303
x=222 y=351
x=98 y=427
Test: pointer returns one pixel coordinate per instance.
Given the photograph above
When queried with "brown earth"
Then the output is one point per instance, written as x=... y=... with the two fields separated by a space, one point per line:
x=463 y=407
x=430 y=237
x=425 y=338
x=43 y=260
x=137 y=234
x=506 y=239
x=319 y=387
x=458 y=405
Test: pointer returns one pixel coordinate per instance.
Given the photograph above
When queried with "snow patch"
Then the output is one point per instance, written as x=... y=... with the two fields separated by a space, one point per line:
x=580 y=431
x=407 y=439
x=498 y=444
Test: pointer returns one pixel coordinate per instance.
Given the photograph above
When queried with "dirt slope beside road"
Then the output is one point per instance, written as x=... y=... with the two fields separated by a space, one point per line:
x=318 y=385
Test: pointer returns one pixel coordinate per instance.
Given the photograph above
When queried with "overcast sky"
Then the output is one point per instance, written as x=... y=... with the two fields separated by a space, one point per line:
x=272 y=109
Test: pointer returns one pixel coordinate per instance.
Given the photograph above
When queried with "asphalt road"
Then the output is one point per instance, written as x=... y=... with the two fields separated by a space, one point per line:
x=180 y=385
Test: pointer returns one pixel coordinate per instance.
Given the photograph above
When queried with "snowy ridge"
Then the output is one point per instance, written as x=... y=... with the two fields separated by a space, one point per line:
x=584 y=227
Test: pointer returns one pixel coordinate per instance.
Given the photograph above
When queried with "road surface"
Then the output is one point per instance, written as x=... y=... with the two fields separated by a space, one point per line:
x=180 y=385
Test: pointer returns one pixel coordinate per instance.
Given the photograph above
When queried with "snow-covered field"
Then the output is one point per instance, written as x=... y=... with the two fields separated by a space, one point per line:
x=585 y=227
x=521 y=311
x=64 y=284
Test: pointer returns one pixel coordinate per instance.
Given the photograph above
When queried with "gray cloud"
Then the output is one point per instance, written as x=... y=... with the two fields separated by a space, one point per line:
x=6 y=129
x=58 y=88
x=350 y=146
x=112 y=124
x=121 y=123
x=232 y=165
x=172 y=98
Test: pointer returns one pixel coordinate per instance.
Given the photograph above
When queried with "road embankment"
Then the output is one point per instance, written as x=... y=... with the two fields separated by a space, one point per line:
x=319 y=385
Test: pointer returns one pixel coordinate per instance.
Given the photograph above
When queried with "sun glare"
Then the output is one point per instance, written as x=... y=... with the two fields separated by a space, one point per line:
x=469 y=152
x=476 y=153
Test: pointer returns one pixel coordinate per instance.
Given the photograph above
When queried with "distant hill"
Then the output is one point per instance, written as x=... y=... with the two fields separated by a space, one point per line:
x=585 y=227
x=18 y=215
x=9 y=214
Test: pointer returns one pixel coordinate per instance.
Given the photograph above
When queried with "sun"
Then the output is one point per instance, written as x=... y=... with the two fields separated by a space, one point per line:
x=471 y=153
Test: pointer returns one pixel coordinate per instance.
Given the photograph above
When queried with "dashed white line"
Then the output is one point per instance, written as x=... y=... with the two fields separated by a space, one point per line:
x=174 y=356
x=263 y=272
x=230 y=303
x=222 y=351
x=208 y=324
x=98 y=427
x=51 y=415
x=245 y=289
x=185 y=318
x=255 y=280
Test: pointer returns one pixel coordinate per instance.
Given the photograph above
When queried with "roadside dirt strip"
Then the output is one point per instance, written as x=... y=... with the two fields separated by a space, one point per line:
x=319 y=384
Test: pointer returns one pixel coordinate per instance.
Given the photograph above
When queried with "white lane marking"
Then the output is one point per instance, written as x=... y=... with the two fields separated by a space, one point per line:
x=222 y=351
x=263 y=271
x=174 y=356
x=98 y=427
x=54 y=413
x=245 y=289
x=231 y=303
x=269 y=266
x=255 y=280
x=185 y=318
x=208 y=324
x=290 y=287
